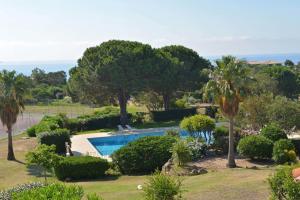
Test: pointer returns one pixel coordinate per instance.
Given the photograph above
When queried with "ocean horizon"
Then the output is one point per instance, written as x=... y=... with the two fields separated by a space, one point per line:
x=25 y=67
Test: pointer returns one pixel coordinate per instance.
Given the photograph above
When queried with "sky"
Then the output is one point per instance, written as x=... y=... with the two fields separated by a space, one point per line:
x=62 y=29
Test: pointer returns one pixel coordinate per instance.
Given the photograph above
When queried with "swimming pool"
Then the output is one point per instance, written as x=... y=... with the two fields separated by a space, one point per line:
x=107 y=145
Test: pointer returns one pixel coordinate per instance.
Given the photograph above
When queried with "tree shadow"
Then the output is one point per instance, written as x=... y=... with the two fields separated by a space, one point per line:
x=102 y=179
x=37 y=171
x=19 y=161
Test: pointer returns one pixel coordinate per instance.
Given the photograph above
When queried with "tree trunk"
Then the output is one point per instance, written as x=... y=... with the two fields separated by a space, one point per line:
x=10 y=150
x=166 y=99
x=231 y=161
x=123 y=108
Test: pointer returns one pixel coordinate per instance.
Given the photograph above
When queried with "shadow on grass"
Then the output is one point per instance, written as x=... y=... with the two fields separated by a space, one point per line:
x=36 y=171
x=19 y=161
x=102 y=179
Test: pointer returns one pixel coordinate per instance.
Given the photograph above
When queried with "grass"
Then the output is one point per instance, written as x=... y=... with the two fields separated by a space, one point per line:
x=152 y=124
x=225 y=184
x=73 y=109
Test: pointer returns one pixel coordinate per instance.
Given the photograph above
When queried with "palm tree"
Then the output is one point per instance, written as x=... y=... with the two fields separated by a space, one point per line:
x=228 y=85
x=12 y=89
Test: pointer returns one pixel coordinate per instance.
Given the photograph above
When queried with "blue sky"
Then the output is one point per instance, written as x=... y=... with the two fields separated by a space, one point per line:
x=63 y=29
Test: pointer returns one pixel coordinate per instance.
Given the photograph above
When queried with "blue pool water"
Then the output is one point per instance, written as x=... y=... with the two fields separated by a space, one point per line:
x=107 y=145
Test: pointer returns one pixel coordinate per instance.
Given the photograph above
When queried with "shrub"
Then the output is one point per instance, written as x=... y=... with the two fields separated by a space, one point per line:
x=44 y=156
x=7 y=194
x=255 y=147
x=283 y=186
x=74 y=125
x=55 y=191
x=58 y=137
x=198 y=149
x=48 y=123
x=285 y=112
x=181 y=153
x=139 y=118
x=173 y=133
x=180 y=104
x=160 y=186
x=284 y=151
x=273 y=132
x=99 y=121
x=296 y=143
x=31 y=131
x=83 y=167
x=199 y=126
x=175 y=114
x=220 y=142
x=144 y=155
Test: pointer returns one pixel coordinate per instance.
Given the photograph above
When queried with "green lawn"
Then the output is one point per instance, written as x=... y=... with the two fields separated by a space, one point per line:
x=226 y=184
x=72 y=109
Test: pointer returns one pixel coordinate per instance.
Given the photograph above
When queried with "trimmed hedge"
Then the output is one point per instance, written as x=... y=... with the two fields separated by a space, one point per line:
x=94 y=122
x=57 y=137
x=255 y=147
x=176 y=114
x=48 y=123
x=144 y=155
x=81 y=167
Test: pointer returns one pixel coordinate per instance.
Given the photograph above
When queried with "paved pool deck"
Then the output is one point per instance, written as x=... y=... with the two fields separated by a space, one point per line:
x=82 y=146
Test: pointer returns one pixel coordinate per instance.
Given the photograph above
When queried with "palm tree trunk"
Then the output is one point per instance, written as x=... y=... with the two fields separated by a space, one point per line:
x=10 y=150
x=231 y=161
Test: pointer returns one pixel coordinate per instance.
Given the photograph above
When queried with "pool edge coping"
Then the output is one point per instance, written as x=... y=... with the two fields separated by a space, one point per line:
x=82 y=146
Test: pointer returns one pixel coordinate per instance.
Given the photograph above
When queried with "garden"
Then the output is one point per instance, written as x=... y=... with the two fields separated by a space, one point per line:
x=244 y=139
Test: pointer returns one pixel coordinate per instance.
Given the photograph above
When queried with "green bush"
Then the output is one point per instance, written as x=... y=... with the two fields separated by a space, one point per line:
x=181 y=152
x=173 y=133
x=81 y=167
x=74 y=125
x=58 y=137
x=284 y=151
x=296 y=143
x=48 y=123
x=144 y=155
x=163 y=187
x=221 y=139
x=31 y=131
x=199 y=126
x=273 y=132
x=43 y=156
x=283 y=186
x=197 y=148
x=221 y=131
x=55 y=191
x=179 y=104
x=7 y=194
x=175 y=114
x=95 y=121
x=255 y=147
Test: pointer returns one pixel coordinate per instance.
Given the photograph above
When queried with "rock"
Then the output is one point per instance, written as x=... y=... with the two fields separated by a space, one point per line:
x=139 y=187
x=166 y=168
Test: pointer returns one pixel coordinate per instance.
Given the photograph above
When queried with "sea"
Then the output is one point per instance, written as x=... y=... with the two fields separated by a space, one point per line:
x=26 y=67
